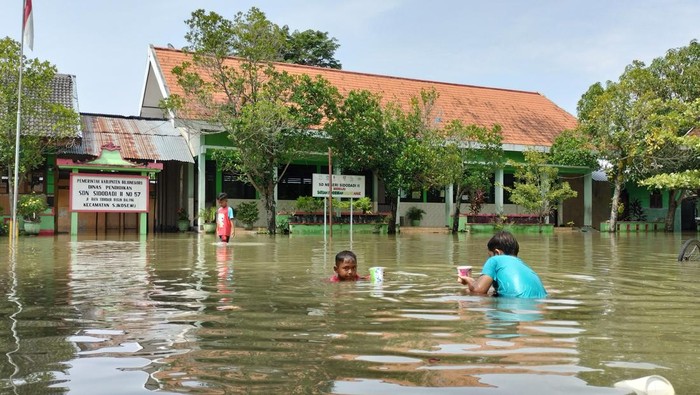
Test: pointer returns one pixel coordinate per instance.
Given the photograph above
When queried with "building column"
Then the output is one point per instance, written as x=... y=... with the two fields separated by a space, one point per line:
x=73 y=218
x=588 y=200
x=189 y=170
x=499 y=191
x=143 y=217
x=201 y=181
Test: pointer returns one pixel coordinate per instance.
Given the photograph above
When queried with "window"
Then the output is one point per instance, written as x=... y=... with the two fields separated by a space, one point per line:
x=296 y=182
x=436 y=195
x=509 y=182
x=412 y=196
x=656 y=199
x=235 y=188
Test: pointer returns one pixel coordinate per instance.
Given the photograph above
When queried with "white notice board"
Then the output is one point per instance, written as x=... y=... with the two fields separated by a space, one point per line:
x=344 y=186
x=108 y=193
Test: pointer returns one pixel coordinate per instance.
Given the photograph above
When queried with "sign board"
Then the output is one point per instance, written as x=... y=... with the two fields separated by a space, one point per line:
x=343 y=186
x=108 y=193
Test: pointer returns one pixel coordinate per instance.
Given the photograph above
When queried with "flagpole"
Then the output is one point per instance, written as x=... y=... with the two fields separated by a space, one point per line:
x=15 y=181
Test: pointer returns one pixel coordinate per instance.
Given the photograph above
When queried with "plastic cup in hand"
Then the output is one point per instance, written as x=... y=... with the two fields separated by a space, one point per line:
x=376 y=274
x=464 y=271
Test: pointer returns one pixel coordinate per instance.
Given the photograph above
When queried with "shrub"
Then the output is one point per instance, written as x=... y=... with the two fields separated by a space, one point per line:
x=308 y=204
x=30 y=206
x=182 y=214
x=208 y=214
x=414 y=213
x=363 y=204
x=247 y=213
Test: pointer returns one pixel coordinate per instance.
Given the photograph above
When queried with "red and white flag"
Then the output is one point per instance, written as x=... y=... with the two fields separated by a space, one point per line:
x=28 y=24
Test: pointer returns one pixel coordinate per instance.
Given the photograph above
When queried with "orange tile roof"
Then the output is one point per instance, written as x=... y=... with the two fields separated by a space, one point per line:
x=527 y=118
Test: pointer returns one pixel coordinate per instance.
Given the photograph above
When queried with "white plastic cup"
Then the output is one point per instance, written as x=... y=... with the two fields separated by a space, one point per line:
x=376 y=274
x=464 y=271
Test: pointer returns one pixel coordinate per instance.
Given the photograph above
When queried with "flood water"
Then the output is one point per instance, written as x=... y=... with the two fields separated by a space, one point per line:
x=181 y=314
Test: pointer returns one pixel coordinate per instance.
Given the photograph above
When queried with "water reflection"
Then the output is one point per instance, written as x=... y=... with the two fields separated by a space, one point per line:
x=183 y=313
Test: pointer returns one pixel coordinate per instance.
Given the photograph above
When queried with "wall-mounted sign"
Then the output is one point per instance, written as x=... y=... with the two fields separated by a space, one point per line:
x=108 y=193
x=343 y=186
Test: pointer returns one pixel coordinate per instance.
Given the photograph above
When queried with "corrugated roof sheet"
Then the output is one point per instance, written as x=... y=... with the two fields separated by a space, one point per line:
x=526 y=118
x=139 y=138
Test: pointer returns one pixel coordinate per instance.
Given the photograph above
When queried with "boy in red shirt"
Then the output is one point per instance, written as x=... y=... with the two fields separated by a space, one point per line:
x=225 y=227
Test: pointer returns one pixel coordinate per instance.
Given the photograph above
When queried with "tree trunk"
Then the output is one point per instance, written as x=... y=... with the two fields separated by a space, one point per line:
x=270 y=208
x=455 y=215
x=615 y=202
x=674 y=198
x=391 y=227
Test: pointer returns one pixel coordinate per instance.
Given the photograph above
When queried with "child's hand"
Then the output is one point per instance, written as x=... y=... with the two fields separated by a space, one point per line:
x=464 y=280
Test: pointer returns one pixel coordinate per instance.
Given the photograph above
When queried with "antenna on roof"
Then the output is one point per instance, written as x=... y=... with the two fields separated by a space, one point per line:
x=171 y=46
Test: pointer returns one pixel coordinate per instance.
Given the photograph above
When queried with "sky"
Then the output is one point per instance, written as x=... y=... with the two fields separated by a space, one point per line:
x=554 y=47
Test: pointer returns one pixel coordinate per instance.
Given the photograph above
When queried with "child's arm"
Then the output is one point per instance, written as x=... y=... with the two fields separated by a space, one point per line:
x=479 y=286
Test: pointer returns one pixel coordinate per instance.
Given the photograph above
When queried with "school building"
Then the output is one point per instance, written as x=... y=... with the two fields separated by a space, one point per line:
x=188 y=178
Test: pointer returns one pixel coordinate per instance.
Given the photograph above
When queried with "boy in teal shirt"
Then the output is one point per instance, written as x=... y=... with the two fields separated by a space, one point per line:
x=508 y=274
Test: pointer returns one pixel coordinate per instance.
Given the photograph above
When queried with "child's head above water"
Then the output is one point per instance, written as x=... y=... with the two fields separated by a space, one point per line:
x=346 y=266
x=503 y=243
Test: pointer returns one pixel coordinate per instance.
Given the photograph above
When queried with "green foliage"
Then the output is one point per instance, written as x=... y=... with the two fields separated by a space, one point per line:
x=634 y=212
x=308 y=204
x=37 y=105
x=572 y=148
x=689 y=179
x=474 y=153
x=414 y=213
x=537 y=188
x=267 y=113
x=638 y=123
x=363 y=204
x=253 y=37
x=247 y=213
x=283 y=225
x=182 y=214
x=403 y=147
x=207 y=214
x=30 y=206
x=312 y=48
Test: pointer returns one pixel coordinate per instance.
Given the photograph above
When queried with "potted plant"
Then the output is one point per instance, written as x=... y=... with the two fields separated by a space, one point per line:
x=208 y=215
x=29 y=207
x=415 y=215
x=183 y=220
x=247 y=213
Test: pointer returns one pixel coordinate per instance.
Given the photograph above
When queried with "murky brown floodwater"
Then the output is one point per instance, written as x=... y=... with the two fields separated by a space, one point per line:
x=178 y=313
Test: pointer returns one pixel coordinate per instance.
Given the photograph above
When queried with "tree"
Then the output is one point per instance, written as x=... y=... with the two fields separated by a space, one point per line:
x=615 y=118
x=252 y=36
x=45 y=125
x=537 y=187
x=311 y=48
x=403 y=148
x=267 y=113
x=478 y=152
x=637 y=124
x=670 y=155
x=571 y=148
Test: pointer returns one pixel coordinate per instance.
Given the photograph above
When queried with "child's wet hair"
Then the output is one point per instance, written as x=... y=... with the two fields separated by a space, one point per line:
x=343 y=255
x=222 y=196
x=505 y=242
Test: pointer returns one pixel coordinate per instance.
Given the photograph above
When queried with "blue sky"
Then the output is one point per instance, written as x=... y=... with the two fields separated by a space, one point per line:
x=558 y=48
